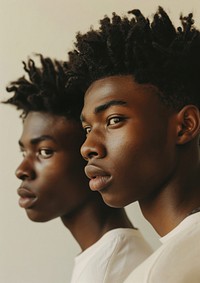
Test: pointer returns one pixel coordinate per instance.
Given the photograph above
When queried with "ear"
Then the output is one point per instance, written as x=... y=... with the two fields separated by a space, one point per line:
x=188 y=124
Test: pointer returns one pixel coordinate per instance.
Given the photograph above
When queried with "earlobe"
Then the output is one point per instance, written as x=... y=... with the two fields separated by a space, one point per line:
x=188 y=124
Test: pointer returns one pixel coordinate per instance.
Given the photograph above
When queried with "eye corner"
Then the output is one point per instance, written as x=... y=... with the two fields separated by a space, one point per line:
x=22 y=151
x=115 y=119
x=45 y=153
x=87 y=129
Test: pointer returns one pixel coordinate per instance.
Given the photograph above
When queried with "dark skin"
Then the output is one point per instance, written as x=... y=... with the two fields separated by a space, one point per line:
x=53 y=180
x=139 y=149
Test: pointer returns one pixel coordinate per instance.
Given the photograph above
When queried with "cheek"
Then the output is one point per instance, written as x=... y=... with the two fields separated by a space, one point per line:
x=133 y=155
x=69 y=171
x=123 y=147
x=51 y=173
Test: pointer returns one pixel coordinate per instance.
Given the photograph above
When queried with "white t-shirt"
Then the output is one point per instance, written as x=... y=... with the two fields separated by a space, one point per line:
x=177 y=260
x=111 y=258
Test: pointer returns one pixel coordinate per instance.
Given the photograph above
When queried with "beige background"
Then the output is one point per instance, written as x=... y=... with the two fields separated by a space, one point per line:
x=34 y=252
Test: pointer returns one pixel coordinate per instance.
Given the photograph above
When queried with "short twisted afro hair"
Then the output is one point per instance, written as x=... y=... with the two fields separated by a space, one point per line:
x=152 y=52
x=46 y=89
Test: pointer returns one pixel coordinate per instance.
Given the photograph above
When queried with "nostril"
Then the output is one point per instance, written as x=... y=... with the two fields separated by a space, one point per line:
x=92 y=154
x=21 y=175
x=17 y=173
x=93 y=149
x=89 y=155
x=25 y=173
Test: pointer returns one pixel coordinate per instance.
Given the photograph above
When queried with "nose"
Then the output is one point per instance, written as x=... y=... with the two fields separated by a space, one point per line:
x=93 y=148
x=25 y=171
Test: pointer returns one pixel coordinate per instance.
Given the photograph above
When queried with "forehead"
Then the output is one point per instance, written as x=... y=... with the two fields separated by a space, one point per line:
x=41 y=123
x=109 y=86
x=120 y=88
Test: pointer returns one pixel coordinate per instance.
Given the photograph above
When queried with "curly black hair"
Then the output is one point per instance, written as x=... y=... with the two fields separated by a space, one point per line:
x=152 y=52
x=45 y=90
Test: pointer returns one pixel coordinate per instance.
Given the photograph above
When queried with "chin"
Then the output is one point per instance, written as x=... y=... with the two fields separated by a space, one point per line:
x=112 y=201
x=38 y=217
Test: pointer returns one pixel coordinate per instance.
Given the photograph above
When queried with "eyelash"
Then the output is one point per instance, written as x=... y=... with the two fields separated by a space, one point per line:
x=47 y=151
x=117 y=120
x=23 y=152
x=40 y=153
x=87 y=130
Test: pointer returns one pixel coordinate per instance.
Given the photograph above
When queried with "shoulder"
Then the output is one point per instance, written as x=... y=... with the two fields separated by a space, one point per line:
x=129 y=251
x=177 y=260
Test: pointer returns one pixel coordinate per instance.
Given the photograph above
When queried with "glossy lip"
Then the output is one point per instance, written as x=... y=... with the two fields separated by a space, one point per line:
x=99 y=179
x=27 y=198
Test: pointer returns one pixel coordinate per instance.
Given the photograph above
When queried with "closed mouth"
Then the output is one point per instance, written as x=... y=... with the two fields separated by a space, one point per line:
x=99 y=179
x=99 y=183
x=27 y=198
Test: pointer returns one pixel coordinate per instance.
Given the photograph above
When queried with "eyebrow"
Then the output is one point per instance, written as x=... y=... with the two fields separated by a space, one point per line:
x=38 y=140
x=105 y=106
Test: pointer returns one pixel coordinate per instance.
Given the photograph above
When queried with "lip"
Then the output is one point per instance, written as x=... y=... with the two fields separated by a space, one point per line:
x=27 y=198
x=99 y=179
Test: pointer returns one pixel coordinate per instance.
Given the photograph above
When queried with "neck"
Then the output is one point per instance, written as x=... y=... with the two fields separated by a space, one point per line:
x=93 y=220
x=174 y=201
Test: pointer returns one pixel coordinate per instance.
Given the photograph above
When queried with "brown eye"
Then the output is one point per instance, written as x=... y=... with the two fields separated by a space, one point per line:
x=87 y=130
x=45 y=153
x=114 y=120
